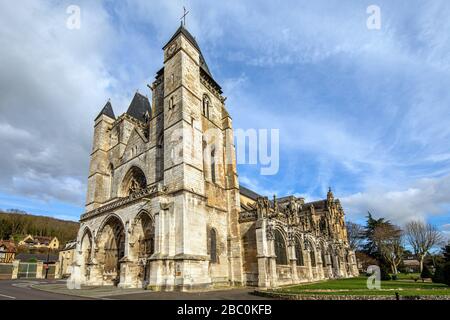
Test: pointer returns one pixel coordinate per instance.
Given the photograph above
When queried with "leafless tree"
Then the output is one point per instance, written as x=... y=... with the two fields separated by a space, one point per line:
x=389 y=240
x=355 y=233
x=422 y=237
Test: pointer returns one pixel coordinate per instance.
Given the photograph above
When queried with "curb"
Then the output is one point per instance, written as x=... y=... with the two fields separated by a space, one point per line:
x=291 y=296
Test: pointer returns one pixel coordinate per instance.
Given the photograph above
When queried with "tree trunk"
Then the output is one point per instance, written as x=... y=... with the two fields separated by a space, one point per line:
x=421 y=258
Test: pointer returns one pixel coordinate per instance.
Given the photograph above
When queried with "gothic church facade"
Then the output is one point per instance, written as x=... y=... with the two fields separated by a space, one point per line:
x=164 y=207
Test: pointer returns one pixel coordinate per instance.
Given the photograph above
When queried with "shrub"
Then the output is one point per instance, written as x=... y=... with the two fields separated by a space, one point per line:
x=426 y=273
x=446 y=272
x=384 y=273
x=438 y=276
x=442 y=274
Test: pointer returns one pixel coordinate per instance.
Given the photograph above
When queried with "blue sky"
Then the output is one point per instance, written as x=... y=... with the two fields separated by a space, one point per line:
x=363 y=111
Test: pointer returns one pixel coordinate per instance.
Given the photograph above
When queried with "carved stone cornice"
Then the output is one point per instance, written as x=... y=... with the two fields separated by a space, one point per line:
x=134 y=197
x=211 y=86
x=247 y=216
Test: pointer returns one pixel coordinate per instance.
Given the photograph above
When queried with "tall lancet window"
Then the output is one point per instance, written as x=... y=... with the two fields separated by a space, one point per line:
x=206 y=104
x=280 y=249
x=212 y=245
x=312 y=254
x=111 y=179
x=213 y=165
x=299 y=252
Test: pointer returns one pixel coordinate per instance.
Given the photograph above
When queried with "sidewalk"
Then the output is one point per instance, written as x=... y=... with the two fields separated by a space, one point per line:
x=96 y=292
x=113 y=293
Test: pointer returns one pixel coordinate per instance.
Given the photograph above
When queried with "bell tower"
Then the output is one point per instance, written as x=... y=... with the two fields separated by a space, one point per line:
x=198 y=227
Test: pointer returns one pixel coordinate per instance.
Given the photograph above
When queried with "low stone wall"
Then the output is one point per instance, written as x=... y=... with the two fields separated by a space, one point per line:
x=291 y=296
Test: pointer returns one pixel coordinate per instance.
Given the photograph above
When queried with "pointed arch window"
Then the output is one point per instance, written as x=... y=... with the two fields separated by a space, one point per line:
x=206 y=106
x=213 y=165
x=133 y=181
x=312 y=253
x=212 y=244
x=280 y=248
x=111 y=178
x=324 y=261
x=299 y=252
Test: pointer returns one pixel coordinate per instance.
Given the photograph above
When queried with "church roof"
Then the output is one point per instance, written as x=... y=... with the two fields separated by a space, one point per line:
x=107 y=111
x=139 y=106
x=192 y=40
x=248 y=193
x=319 y=204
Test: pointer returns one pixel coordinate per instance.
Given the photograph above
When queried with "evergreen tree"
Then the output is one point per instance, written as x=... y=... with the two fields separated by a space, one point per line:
x=370 y=247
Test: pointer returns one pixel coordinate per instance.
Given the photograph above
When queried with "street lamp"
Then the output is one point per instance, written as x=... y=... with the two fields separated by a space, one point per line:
x=48 y=258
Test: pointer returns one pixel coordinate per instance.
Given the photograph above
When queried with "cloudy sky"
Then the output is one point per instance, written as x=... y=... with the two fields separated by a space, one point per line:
x=366 y=112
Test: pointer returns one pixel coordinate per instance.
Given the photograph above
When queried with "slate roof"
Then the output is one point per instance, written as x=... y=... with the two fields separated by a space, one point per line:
x=192 y=40
x=70 y=245
x=248 y=193
x=319 y=204
x=139 y=106
x=25 y=257
x=107 y=111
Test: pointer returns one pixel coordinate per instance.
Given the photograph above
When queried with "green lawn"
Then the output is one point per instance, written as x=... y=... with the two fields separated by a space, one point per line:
x=408 y=276
x=358 y=286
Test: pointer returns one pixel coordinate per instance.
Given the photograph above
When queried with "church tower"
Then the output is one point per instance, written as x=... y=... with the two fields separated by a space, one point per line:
x=163 y=196
x=198 y=176
x=98 y=180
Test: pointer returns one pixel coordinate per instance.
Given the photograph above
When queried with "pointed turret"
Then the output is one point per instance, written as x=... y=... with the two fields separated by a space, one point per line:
x=140 y=107
x=192 y=40
x=107 y=111
x=330 y=196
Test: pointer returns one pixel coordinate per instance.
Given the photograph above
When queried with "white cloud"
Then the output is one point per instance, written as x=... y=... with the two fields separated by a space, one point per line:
x=426 y=198
x=56 y=80
x=52 y=84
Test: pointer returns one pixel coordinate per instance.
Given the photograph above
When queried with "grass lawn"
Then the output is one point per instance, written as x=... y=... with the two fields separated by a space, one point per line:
x=358 y=286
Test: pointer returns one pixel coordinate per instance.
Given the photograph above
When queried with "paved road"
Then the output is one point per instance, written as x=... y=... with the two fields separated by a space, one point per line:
x=229 y=294
x=21 y=290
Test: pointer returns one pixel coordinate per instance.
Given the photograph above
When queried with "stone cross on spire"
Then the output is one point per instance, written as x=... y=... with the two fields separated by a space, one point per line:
x=183 y=18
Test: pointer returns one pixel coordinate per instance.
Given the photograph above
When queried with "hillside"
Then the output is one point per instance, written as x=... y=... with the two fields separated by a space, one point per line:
x=17 y=224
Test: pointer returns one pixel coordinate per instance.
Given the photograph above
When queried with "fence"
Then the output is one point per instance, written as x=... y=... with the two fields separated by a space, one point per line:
x=27 y=270
x=50 y=273
x=6 y=271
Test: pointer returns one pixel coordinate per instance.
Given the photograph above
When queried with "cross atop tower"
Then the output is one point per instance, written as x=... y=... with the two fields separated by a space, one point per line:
x=183 y=18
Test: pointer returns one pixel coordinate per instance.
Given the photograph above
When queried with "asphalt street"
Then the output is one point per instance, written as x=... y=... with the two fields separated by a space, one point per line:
x=24 y=290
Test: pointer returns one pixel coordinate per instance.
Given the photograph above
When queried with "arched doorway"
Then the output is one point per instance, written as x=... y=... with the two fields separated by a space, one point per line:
x=86 y=249
x=144 y=232
x=111 y=246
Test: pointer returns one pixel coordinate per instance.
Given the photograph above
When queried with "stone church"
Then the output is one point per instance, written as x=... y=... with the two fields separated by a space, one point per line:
x=165 y=210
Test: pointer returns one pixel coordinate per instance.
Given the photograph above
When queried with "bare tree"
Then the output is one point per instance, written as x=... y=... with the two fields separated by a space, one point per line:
x=355 y=234
x=389 y=240
x=422 y=237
